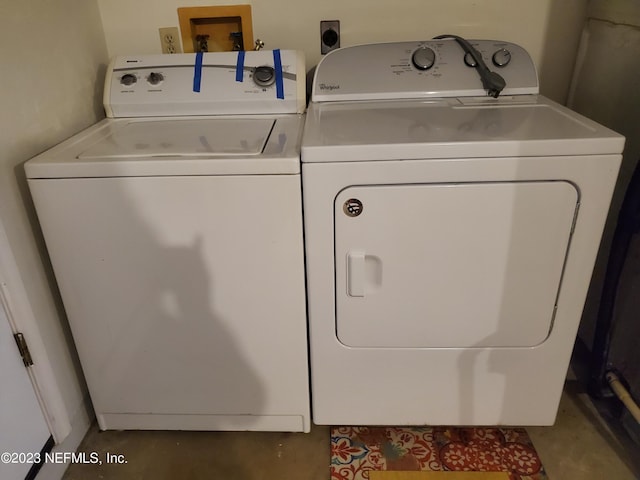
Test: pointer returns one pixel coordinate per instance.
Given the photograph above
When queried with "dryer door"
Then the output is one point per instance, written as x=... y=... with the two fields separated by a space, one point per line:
x=450 y=265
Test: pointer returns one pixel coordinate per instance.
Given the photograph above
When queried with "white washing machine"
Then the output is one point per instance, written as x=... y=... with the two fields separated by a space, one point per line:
x=450 y=236
x=175 y=232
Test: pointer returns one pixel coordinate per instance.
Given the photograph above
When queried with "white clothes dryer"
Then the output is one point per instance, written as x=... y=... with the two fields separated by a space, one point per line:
x=450 y=236
x=175 y=232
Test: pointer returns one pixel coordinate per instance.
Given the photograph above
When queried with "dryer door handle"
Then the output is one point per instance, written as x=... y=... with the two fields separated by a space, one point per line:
x=355 y=273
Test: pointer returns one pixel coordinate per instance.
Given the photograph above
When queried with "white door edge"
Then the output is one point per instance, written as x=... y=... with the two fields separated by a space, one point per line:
x=21 y=319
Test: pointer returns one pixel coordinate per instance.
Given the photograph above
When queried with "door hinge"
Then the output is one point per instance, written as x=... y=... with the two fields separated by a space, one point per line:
x=24 y=349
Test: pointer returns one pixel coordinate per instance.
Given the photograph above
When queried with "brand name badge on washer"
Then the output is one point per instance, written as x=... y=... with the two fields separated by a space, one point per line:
x=352 y=207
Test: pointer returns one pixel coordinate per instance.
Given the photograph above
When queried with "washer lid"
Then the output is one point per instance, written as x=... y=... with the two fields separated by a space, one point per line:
x=183 y=138
x=125 y=147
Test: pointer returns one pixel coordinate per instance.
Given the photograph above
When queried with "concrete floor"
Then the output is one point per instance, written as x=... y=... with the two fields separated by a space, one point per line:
x=580 y=446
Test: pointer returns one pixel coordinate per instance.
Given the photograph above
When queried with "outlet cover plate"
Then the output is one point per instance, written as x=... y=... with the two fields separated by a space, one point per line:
x=170 y=40
x=329 y=35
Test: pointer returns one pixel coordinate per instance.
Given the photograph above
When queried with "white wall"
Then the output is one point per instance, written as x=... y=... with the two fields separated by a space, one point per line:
x=53 y=58
x=548 y=30
x=622 y=12
x=605 y=88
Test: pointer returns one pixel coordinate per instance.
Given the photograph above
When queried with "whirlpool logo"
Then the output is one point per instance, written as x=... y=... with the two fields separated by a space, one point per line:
x=324 y=86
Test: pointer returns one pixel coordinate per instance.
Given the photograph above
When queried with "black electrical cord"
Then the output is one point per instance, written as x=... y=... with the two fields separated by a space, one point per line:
x=492 y=82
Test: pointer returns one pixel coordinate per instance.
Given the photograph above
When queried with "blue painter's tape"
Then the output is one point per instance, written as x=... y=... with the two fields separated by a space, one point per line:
x=277 y=65
x=240 y=66
x=197 y=72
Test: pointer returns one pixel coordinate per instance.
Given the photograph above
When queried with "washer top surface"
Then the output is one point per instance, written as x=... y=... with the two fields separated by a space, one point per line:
x=166 y=146
x=191 y=114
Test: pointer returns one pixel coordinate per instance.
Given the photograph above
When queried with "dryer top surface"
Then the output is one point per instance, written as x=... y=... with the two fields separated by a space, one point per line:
x=424 y=100
x=523 y=125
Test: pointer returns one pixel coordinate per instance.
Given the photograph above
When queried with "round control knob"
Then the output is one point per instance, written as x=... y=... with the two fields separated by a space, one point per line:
x=501 y=58
x=128 y=79
x=469 y=60
x=155 y=78
x=423 y=58
x=264 y=76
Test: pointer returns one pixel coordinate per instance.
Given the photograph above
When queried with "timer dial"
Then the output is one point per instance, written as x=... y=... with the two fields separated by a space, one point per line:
x=423 y=58
x=264 y=76
x=501 y=58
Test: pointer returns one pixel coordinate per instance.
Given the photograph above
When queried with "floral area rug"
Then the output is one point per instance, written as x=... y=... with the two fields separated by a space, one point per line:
x=355 y=451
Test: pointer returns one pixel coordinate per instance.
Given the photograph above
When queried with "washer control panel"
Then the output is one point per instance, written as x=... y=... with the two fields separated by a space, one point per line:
x=433 y=68
x=218 y=83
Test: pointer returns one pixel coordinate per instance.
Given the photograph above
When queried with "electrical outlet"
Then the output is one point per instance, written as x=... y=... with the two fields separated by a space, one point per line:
x=329 y=35
x=170 y=40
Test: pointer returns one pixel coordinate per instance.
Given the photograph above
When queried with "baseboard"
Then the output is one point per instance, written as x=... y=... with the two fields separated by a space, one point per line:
x=80 y=424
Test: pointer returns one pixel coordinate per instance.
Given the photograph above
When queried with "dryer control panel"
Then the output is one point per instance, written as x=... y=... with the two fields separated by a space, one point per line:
x=218 y=83
x=433 y=68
